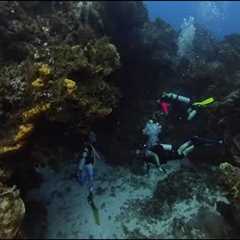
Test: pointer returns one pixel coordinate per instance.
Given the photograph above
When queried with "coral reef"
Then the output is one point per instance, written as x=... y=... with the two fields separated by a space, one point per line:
x=35 y=111
x=44 y=70
x=60 y=73
x=23 y=132
x=231 y=177
x=38 y=83
x=12 y=212
x=78 y=69
x=6 y=149
x=70 y=85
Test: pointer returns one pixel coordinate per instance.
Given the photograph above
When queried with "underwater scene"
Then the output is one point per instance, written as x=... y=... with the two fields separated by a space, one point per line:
x=119 y=120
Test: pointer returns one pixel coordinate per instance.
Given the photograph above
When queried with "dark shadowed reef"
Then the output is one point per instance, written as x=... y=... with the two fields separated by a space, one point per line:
x=68 y=67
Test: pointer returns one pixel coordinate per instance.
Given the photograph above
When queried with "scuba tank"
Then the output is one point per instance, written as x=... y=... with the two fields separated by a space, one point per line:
x=191 y=114
x=178 y=97
x=183 y=99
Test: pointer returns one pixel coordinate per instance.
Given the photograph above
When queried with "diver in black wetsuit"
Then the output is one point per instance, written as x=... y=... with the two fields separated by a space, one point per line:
x=158 y=154
x=195 y=141
x=86 y=164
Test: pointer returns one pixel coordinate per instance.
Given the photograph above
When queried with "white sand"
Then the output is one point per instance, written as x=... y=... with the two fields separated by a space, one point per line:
x=70 y=216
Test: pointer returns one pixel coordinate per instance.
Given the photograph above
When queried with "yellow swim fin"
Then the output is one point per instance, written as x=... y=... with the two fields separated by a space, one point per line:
x=205 y=102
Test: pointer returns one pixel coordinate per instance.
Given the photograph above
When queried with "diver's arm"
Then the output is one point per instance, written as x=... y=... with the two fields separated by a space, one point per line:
x=96 y=154
x=157 y=161
x=156 y=158
x=82 y=161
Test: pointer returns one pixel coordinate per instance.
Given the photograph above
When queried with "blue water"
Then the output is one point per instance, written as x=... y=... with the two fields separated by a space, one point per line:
x=219 y=17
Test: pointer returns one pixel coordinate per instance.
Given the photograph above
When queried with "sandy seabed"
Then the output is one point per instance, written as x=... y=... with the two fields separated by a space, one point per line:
x=119 y=197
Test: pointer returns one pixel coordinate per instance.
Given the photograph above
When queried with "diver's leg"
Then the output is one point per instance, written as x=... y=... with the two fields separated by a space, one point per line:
x=209 y=141
x=188 y=150
x=82 y=176
x=90 y=173
x=189 y=110
x=183 y=147
x=158 y=165
x=191 y=114
x=147 y=166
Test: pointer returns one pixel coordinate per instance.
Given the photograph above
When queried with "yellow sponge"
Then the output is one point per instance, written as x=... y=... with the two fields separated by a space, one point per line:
x=70 y=85
x=35 y=111
x=23 y=132
x=44 y=70
x=38 y=83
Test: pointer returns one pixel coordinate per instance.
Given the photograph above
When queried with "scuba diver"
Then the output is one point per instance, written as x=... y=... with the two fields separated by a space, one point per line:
x=168 y=99
x=86 y=164
x=192 y=108
x=195 y=141
x=157 y=155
